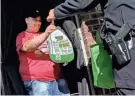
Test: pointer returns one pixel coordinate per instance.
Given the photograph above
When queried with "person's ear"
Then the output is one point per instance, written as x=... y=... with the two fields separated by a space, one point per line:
x=26 y=20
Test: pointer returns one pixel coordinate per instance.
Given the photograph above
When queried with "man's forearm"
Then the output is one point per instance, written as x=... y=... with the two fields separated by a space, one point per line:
x=33 y=44
x=69 y=7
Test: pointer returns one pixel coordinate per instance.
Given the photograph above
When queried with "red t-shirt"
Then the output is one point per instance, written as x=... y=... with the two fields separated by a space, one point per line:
x=33 y=67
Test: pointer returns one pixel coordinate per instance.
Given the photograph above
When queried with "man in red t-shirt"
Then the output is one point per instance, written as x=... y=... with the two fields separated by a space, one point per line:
x=40 y=75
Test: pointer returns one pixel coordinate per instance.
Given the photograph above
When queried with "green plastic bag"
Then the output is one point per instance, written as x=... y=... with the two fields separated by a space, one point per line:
x=101 y=65
x=60 y=47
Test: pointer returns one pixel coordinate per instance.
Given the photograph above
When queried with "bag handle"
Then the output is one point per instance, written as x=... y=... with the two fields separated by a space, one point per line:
x=52 y=23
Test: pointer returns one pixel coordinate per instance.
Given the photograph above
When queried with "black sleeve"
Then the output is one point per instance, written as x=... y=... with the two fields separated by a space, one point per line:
x=69 y=7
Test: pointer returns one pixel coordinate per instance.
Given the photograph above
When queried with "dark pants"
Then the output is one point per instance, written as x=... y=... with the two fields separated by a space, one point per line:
x=124 y=75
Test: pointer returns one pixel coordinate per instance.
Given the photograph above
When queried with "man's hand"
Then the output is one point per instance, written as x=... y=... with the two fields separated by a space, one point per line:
x=89 y=38
x=51 y=16
x=50 y=29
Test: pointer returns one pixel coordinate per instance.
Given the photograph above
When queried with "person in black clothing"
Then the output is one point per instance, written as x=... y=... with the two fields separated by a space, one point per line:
x=116 y=14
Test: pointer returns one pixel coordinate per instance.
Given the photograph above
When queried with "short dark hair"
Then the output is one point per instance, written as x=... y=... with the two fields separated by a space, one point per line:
x=33 y=13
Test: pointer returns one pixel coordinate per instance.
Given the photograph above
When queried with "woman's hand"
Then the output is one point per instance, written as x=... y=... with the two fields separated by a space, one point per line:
x=50 y=29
